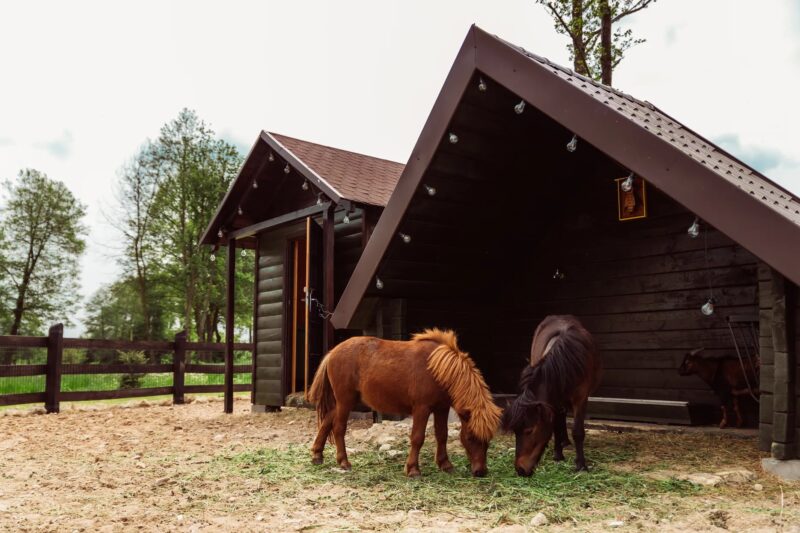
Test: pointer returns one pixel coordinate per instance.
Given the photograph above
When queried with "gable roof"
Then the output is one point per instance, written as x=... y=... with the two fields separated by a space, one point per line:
x=728 y=194
x=340 y=174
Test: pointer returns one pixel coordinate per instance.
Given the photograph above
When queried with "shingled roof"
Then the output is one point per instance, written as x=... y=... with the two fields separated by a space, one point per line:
x=340 y=174
x=356 y=177
x=733 y=197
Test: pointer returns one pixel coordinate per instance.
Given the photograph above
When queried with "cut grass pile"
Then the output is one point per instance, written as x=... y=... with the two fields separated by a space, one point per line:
x=555 y=489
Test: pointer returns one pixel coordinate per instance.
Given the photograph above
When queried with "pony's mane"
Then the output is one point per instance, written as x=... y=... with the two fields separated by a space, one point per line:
x=456 y=372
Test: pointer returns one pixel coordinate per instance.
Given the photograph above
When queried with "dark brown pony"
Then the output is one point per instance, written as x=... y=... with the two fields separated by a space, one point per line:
x=565 y=369
x=418 y=377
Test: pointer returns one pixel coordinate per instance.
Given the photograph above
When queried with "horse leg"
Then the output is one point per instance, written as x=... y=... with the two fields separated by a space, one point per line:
x=560 y=436
x=440 y=427
x=420 y=416
x=579 y=435
x=325 y=428
x=343 y=408
x=737 y=412
x=724 y=422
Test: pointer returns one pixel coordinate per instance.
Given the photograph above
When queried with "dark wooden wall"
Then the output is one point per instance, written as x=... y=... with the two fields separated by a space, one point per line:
x=269 y=389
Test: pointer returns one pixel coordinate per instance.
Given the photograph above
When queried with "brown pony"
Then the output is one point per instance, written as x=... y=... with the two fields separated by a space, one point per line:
x=565 y=369
x=425 y=375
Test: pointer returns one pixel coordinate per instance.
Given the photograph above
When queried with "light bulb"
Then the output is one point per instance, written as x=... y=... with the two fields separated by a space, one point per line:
x=520 y=107
x=453 y=138
x=319 y=199
x=240 y=211
x=305 y=185
x=708 y=307
x=627 y=185
x=572 y=144
x=694 y=229
x=213 y=258
x=481 y=85
x=287 y=169
x=558 y=275
x=255 y=184
x=346 y=218
x=271 y=157
x=378 y=283
x=220 y=233
x=243 y=253
x=431 y=190
x=405 y=236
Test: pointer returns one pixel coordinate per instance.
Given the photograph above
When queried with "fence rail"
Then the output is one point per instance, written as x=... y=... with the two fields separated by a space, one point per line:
x=55 y=368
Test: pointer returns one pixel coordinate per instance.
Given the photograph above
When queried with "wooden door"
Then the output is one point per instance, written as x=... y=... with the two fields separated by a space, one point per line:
x=314 y=297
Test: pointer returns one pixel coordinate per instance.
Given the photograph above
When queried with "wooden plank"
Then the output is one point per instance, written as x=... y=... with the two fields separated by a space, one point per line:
x=77 y=396
x=218 y=346
x=179 y=368
x=55 y=351
x=216 y=369
x=117 y=368
x=278 y=221
x=229 y=325
x=19 y=399
x=103 y=344
x=194 y=389
x=7 y=371
x=21 y=341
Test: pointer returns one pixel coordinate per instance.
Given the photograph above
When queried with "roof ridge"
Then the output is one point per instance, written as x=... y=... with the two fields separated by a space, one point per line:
x=360 y=154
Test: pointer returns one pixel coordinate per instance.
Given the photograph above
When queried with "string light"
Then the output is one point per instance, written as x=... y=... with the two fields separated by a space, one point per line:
x=572 y=144
x=271 y=157
x=244 y=253
x=453 y=138
x=212 y=257
x=378 y=283
x=694 y=229
x=221 y=233
x=627 y=185
x=520 y=107
x=255 y=184
x=431 y=190
x=346 y=218
x=481 y=85
x=239 y=210
x=305 y=185
x=708 y=307
x=558 y=275
x=405 y=236
x=287 y=169
x=319 y=198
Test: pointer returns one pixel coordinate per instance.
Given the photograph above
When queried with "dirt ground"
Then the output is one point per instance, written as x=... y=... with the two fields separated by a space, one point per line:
x=150 y=467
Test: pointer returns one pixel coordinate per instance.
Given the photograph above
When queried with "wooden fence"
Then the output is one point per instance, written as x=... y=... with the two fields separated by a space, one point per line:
x=54 y=369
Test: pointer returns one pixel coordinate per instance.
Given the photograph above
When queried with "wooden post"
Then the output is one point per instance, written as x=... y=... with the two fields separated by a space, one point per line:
x=55 y=350
x=784 y=445
x=327 y=277
x=229 y=303
x=179 y=368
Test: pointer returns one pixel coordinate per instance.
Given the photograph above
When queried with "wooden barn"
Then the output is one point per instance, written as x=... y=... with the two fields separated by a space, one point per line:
x=307 y=210
x=534 y=191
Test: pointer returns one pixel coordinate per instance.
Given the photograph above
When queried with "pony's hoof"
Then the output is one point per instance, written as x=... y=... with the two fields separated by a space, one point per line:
x=723 y=424
x=345 y=465
x=581 y=467
x=316 y=459
x=447 y=466
x=413 y=472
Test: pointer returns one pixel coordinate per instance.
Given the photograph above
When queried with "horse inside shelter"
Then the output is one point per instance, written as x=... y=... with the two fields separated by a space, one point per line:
x=505 y=214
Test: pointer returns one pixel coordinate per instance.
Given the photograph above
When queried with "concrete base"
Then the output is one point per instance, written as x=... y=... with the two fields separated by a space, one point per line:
x=788 y=470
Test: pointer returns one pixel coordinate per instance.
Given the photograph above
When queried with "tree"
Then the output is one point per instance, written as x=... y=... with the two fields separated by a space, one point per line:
x=596 y=48
x=41 y=240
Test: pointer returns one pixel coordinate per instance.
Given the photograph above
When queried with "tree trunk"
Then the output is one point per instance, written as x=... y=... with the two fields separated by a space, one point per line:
x=606 y=45
x=576 y=32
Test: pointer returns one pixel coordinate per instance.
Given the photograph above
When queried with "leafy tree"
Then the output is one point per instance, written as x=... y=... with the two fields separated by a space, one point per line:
x=596 y=48
x=41 y=240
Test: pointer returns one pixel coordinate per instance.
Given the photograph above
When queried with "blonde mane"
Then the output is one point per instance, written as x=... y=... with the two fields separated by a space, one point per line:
x=456 y=372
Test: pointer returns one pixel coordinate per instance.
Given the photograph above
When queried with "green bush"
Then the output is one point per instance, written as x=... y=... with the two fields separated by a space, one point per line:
x=132 y=380
x=73 y=356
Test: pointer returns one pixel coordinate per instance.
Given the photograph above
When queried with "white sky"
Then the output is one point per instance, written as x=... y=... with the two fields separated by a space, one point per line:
x=85 y=83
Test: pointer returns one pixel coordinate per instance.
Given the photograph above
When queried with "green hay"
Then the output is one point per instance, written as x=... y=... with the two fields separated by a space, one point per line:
x=555 y=489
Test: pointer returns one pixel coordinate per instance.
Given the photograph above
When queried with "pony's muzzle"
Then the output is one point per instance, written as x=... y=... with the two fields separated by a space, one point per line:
x=524 y=473
x=480 y=472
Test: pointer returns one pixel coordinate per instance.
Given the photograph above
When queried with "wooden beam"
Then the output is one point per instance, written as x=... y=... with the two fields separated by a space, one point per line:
x=229 y=326
x=328 y=239
x=300 y=214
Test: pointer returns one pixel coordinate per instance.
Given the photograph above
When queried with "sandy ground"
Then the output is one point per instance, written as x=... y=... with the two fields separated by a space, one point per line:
x=143 y=467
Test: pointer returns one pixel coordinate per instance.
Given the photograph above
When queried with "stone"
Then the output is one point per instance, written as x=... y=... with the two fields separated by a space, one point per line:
x=758 y=486
x=393 y=453
x=385 y=447
x=515 y=528
x=736 y=476
x=615 y=523
x=539 y=519
x=787 y=470
x=702 y=478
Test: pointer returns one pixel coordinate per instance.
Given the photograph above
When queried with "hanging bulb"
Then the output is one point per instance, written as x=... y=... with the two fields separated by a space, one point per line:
x=481 y=85
x=287 y=169
x=431 y=190
x=239 y=210
x=213 y=258
x=346 y=218
x=243 y=253
x=558 y=275
x=220 y=233
x=271 y=157
x=694 y=229
x=255 y=184
x=572 y=144
x=708 y=307
x=378 y=283
x=305 y=185
x=627 y=185
x=453 y=138
x=520 y=107
x=405 y=236
x=319 y=199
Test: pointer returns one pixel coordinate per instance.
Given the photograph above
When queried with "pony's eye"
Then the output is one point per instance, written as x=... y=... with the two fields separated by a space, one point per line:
x=527 y=431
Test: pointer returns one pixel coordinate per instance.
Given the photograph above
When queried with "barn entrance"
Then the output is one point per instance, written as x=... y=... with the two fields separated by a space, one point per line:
x=304 y=327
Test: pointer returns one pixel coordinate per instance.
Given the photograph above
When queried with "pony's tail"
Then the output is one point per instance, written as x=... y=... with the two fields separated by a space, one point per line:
x=321 y=393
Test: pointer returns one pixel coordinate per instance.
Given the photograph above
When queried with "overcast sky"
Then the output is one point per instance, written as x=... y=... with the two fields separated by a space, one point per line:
x=85 y=83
